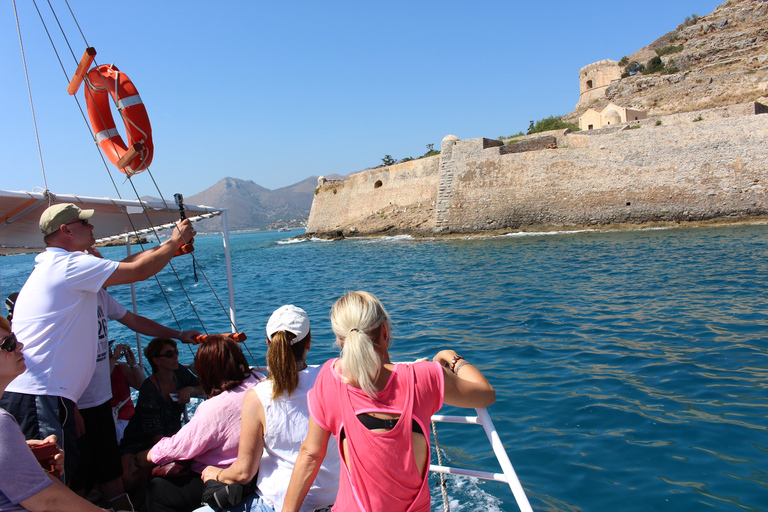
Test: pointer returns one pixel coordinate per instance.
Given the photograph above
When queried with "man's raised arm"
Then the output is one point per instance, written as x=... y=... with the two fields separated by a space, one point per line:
x=139 y=267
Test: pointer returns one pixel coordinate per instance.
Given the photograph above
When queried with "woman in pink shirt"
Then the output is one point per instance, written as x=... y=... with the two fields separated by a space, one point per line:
x=212 y=435
x=379 y=413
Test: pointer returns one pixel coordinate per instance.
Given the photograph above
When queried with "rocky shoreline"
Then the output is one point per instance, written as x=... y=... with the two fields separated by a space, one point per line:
x=624 y=226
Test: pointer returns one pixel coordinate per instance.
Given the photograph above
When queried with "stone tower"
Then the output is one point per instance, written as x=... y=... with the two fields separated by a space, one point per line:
x=595 y=78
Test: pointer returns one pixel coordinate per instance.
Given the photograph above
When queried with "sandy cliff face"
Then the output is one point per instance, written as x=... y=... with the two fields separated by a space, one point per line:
x=724 y=61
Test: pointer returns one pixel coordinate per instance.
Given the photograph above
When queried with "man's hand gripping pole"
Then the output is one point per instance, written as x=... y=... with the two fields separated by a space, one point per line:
x=187 y=247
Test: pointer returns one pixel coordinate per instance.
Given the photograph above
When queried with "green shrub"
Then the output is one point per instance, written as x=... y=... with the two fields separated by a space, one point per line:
x=668 y=50
x=673 y=38
x=317 y=190
x=698 y=118
x=654 y=65
x=634 y=68
x=550 y=123
x=431 y=151
x=750 y=72
x=634 y=126
x=670 y=71
x=624 y=61
x=658 y=122
x=334 y=191
x=689 y=20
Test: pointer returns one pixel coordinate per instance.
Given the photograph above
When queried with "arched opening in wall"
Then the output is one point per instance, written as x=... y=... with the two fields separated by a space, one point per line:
x=589 y=84
x=377 y=184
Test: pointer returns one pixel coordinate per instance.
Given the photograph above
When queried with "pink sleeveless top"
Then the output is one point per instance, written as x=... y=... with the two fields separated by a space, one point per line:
x=382 y=474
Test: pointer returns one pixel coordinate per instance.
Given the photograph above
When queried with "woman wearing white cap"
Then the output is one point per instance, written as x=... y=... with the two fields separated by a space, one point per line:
x=275 y=419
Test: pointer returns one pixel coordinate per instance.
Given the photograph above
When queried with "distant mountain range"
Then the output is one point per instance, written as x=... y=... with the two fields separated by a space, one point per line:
x=251 y=206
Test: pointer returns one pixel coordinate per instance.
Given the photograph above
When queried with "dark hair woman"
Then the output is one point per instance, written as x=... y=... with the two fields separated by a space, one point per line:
x=275 y=418
x=379 y=413
x=162 y=400
x=212 y=435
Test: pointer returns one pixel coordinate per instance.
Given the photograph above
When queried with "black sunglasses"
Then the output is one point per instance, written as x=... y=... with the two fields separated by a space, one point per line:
x=83 y=221
x=9 y=343
x=170 y=354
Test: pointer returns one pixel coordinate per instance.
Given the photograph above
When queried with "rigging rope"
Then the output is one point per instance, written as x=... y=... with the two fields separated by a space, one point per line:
x=29 y=92
x=443 y=488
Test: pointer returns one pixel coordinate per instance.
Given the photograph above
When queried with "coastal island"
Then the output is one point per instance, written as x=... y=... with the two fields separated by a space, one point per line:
x=680 y=138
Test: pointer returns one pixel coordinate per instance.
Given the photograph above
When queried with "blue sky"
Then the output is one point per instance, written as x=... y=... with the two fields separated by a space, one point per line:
x=276 y=92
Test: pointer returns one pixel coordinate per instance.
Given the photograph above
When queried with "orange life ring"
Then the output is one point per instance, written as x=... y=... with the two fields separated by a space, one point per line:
x=103 y=81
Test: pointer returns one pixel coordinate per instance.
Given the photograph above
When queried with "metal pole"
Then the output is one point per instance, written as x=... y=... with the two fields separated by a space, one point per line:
x=506 y=465
x=135 y=308
x=228 y=262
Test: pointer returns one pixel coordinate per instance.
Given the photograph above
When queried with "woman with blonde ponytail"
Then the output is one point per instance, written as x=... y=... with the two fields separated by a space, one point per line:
x=379 y=413
x=274 y=421
x=358 y=319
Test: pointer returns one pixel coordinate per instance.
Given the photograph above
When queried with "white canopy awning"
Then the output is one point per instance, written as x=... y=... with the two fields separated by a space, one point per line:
x=114 y=218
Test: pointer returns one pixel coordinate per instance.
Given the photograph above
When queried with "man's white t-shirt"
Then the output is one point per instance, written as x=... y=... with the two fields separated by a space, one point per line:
x=99 y=390
x=55 y=318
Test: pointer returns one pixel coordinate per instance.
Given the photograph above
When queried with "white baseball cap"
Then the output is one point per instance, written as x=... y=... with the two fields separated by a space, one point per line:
x=289 y=318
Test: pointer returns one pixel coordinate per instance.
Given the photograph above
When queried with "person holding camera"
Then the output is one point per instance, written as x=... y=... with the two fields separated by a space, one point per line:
x=124 y=375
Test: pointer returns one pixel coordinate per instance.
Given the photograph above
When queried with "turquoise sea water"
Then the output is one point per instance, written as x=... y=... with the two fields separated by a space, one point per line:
x=631 y=368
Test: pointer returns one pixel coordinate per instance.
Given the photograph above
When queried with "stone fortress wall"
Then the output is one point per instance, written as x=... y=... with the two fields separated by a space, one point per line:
x=680 y=170
x=341 y=204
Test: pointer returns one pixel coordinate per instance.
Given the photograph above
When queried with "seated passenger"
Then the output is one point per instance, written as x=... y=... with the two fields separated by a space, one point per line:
x=212 y=435
x=274 y=423
x=162 y=400
x=25 y=485
x=123 y=376
x=379 y=413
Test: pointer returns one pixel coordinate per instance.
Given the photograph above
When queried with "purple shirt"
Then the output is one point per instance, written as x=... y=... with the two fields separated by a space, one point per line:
x=27 y=477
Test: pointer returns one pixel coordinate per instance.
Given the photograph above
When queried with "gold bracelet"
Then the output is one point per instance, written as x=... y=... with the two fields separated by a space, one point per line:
x=217 y=475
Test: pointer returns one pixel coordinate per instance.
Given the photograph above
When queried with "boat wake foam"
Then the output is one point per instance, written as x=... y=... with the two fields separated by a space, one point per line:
x=465 y=494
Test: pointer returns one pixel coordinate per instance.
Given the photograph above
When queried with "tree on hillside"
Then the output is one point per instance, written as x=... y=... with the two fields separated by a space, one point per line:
x=634 y=68
x=654 y=65
x=550 y=123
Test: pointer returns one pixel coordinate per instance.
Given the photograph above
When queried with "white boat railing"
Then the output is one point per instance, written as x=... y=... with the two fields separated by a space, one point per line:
x=508 y=474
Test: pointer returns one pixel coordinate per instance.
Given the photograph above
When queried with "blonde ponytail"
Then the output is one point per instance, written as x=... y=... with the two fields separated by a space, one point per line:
x=356 y=319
